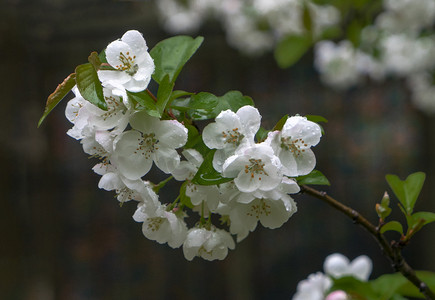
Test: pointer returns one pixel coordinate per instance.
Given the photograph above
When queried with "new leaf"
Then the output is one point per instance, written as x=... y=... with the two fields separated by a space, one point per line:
x=61 y=91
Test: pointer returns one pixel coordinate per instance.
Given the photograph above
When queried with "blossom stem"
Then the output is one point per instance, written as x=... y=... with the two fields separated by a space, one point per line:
x=151 y=95
x=391 y=250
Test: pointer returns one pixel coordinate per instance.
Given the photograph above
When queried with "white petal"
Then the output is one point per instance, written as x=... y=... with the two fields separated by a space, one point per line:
x=361 y=267
x=113 y=51
x=167 y=159
x=299 y=127
x=114 y=77
x=172 y=133
x=250 y=119
x=336 y=265
x=135 y=40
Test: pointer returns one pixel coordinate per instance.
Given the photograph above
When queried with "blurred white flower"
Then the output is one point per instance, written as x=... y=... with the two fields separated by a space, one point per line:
x=338 y=265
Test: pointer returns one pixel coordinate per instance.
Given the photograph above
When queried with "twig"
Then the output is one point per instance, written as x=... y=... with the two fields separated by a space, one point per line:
x=392 y=251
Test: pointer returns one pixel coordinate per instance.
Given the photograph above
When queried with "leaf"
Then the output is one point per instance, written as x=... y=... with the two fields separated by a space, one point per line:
x=315 y=177
x=383 y=209
x=94 y=60
x=194 y=140
x=306 y=18
x=144 y=99
x=261 y=134
x=232 y=100
x=290 y=49
x=178 y=93
x=387 y=285
x=171 y=55
x=164 y=94
x=59 y=93
x=184 y=199
x=428 y=217
x=201 y=106
x=90 y=86
x=206 y=174
x=280 y=124
x=407 y=191
x=392 y=226
x=410 y=290
x=316 y=119
x=356 y=288
x=205 y=106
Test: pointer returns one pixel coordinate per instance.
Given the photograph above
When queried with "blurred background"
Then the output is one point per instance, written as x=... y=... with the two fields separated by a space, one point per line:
x=63 y=238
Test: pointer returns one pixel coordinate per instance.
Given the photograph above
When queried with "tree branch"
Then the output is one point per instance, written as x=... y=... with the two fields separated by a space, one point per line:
x=392 y=251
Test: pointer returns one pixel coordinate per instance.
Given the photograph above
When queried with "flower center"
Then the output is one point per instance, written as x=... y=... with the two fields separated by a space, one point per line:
x=127 y=63
x=203 y=252
x=232 y=136
x=256 y=167
x=125 y=194
x=113 y=108
x=154 y=223
x=147 y=145
x=294 y=146
x=259 y=209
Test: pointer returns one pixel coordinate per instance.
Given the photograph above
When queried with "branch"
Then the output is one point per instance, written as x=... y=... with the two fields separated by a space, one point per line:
x=392 y=251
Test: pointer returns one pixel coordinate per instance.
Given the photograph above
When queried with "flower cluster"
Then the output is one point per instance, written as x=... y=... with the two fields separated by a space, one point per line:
x=252 y=26
x=400 y=43
x=257 y=176
x=319 y=286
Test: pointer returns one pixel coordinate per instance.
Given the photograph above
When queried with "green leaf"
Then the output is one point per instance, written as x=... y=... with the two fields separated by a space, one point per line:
x=316 y=119
x=261 y=134
x=184 y=199
x=94 y=60
x=354 y=32
x=145 y=100
x=205 y=106
x=386 y=286
x=408 y=190
x=171 y=55
x=383 y=209
x=280 y=124
x=164 y=94
x=206 y=174
x=306 y=18
x=315 y=177
x=202 y=105
x=59 y=93
x=410 y=290
x=392 y=226
x=102 y=56
x=428 y=217
x=194 y=140
x=178 y=93
x=90 y=86
x=356 y=288
x=290 y=49
x=232 y=100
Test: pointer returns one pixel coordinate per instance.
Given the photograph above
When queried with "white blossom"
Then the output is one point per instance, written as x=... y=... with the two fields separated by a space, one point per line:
x=292 y=145
x=209 y=244
x=254 y=168
x=161 y=225
x=313 y=288
x=337 y=64
x=134 y=66
x=423 y=91
x=150 y=140
x=338 y=265
x=230 y=132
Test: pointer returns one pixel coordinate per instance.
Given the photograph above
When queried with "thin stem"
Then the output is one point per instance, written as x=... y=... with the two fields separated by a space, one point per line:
x=151 y=95
x=392 y=251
